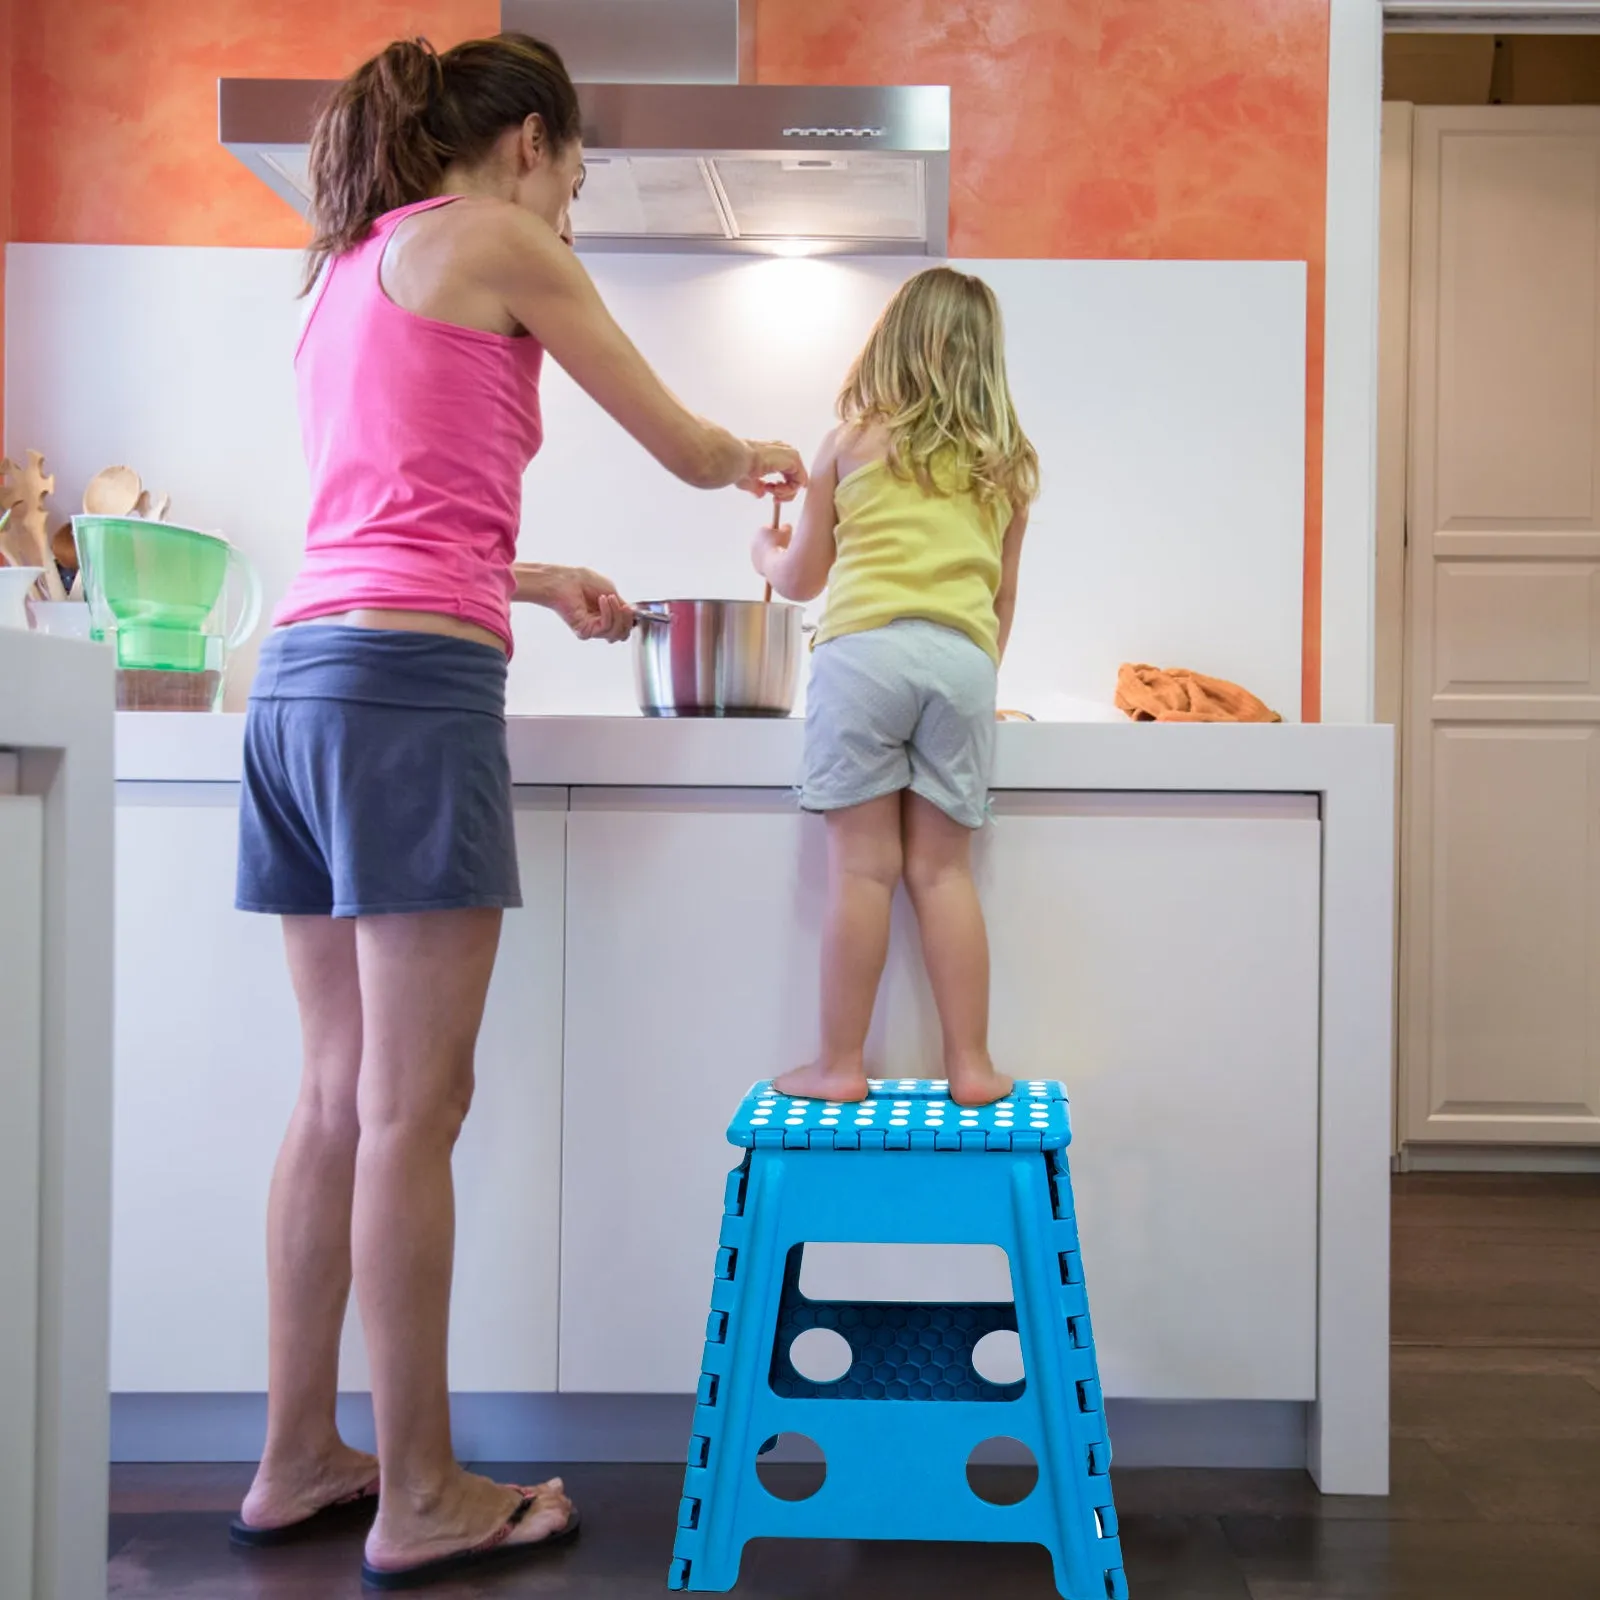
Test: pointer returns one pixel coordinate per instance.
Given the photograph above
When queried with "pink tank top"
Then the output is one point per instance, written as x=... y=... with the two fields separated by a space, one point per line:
x=416 y=434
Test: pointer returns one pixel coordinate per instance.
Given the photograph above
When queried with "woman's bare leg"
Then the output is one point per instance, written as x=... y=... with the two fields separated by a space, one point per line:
x=864 y=860
x=955 y=947
x=305 y=1464
x=424 y=978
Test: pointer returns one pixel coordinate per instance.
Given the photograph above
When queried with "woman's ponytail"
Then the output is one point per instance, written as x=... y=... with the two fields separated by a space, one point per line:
x=394 y=125
x=372 y=149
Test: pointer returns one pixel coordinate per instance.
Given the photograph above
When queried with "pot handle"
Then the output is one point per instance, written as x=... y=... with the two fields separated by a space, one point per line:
x=649 y=615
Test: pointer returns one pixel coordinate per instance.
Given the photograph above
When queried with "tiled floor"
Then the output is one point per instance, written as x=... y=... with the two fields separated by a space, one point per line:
x=1496 y=1468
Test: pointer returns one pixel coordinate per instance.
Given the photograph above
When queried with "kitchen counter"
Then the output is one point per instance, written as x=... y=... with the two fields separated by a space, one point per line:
x=765 y=754
x=1191 y=925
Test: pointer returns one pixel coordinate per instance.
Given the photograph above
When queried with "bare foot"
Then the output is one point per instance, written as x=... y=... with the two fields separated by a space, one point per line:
x=824 y=1080
x=290 y=1491
x=976 y=1083
x=467 y=1512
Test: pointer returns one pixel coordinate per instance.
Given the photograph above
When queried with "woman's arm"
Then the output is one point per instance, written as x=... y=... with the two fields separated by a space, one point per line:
x=544 y=286
x=1005 y=600
x=796 y=561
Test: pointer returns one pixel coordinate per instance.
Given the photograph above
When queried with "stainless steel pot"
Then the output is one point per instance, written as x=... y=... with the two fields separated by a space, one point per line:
x=717 y=658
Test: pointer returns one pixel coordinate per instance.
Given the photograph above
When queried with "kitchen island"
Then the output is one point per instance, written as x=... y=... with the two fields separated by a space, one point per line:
x=55 y=1111
x=1191 y=927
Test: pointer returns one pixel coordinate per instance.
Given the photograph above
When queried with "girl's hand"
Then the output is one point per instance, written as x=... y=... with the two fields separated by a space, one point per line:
x=769 y=541
x=774 y=460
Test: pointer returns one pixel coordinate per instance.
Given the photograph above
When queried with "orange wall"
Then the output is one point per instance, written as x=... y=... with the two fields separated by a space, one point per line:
x=1088 y=128
x=116 y=107
x=6 y=15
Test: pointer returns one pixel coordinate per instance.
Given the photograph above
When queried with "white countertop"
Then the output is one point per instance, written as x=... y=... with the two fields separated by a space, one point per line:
x=170 y=747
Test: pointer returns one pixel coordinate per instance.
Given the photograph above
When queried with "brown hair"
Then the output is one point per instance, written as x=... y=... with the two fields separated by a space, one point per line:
x=933 y=374
x=397 y=122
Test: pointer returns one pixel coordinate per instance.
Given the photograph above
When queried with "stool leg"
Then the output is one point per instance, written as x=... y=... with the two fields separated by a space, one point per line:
x=749 y=1281
x=1050 y=1295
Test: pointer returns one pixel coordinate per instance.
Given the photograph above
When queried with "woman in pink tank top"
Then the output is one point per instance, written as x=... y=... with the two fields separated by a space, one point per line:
x=375 y=815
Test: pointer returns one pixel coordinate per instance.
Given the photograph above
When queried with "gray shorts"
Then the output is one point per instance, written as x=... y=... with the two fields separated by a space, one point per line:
x=376 y=777
x=907 y=706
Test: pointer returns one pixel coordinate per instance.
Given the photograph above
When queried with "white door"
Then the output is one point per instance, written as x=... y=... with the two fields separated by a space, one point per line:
x=21 y=1010
x=1501 y=894
x=1158 y=953
x=207 y=1062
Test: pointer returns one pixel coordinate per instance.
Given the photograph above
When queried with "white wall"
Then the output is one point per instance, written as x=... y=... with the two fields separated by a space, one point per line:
x=1166 y=398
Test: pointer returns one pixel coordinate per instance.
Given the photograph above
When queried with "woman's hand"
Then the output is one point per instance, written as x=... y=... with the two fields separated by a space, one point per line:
x=771 y=459
x=590 y=605
x=586 y=602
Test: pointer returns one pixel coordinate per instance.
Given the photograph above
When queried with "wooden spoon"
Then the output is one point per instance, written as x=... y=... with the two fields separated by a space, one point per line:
x=26 y=488
x=112 y=493
x=777 y=522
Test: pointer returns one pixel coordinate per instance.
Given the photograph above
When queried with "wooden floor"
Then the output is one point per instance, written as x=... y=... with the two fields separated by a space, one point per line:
x=1496 y=1467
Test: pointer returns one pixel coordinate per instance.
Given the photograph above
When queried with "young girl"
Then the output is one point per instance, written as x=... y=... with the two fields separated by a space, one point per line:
x=914 y=524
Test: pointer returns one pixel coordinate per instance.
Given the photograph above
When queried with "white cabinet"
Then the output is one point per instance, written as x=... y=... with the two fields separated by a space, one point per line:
x=691 y=972
x=1161 y=957
x=508 y=1162
x=207 y=1061
x=1158 y=953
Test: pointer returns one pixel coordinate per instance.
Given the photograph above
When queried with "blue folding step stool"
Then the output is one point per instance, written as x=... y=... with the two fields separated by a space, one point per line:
x=905 y=1167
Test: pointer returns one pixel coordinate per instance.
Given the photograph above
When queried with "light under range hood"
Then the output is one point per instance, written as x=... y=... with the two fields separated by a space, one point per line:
x=697 y=165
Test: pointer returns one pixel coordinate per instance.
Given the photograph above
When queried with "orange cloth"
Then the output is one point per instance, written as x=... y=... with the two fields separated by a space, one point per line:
x=1152 y=694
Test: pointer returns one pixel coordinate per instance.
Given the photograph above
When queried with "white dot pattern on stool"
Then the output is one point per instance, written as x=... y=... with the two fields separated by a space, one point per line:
x=902 y=1109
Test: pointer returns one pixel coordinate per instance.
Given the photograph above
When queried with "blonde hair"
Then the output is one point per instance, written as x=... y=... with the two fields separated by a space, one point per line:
x=933 y=372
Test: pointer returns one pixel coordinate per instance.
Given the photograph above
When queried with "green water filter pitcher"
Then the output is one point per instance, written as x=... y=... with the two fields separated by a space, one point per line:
x=165 y=592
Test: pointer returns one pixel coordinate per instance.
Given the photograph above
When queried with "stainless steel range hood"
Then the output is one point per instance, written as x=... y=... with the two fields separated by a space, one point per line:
x=693 y=164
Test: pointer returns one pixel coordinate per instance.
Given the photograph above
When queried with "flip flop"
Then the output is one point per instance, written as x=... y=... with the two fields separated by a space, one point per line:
x=353 y=1511
x=494 y=1551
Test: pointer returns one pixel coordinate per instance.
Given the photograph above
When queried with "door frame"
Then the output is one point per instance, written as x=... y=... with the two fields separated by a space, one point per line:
x=1392 y=461
x=1350 y=568
x=1363 y=576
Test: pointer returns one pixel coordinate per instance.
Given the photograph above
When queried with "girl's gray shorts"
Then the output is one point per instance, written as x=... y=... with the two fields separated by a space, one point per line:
x=906 y=706
x=376 y=777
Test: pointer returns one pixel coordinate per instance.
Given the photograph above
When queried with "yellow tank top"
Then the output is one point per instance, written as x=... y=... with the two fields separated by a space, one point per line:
x=906 y=554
